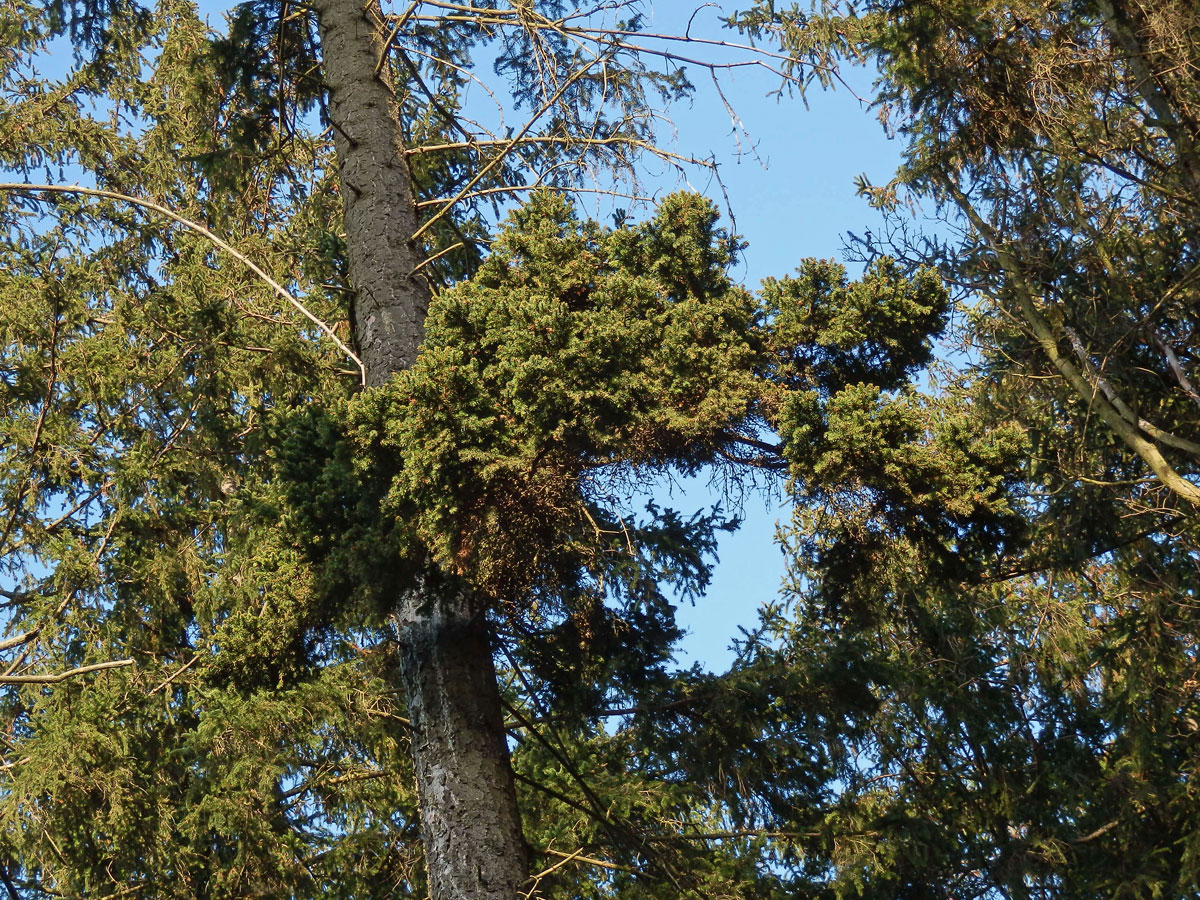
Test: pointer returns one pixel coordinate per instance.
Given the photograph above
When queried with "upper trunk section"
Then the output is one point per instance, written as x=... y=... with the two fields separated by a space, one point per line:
x=391 y=298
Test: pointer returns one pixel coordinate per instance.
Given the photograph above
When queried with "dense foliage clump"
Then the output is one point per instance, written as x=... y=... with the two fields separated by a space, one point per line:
x=980 y=680
x=575 y=356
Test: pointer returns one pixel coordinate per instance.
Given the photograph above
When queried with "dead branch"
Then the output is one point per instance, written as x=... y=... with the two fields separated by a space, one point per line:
x=63 y=676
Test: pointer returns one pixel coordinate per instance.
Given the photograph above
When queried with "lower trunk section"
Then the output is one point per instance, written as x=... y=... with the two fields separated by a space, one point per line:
x=474 y=848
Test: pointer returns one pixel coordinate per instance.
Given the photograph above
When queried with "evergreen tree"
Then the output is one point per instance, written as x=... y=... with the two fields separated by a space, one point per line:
x=997 y=599
x=290 y=462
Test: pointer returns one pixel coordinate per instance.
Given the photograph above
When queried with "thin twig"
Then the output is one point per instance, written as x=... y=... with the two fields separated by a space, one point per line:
x=191 y=662
x=578 y=856
x=482 y=173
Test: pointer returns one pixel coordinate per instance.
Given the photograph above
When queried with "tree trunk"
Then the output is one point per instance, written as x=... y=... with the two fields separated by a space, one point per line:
x=470 y=827
x=471 y=830
x=390 y=299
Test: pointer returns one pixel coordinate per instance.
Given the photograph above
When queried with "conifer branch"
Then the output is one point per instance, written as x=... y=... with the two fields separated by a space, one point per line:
x=1048 y=341
x=26 y=188
x=731 y=835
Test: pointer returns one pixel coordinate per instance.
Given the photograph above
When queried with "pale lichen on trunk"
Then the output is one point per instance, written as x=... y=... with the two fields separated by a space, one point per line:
x=470 y=825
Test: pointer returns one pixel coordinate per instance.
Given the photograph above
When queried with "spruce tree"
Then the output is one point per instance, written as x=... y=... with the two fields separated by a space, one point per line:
x=997 y=599
x=297 y=446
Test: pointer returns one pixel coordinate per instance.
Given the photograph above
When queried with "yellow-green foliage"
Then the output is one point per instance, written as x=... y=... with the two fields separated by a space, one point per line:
x=575 y=348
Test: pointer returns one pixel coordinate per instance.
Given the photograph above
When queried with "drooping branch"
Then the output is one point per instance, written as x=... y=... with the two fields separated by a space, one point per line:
x=26 y=188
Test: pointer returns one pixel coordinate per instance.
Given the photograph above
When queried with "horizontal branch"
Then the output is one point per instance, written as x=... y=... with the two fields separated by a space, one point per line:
x=591 y=861
x=519 y=188
x=729 y=835
x=348 y=778
x=606 y=713
x=63 y=676
x=615 y=140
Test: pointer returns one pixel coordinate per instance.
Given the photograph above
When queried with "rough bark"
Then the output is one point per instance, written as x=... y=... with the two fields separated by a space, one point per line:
x=471 y=829
x=390 y=299
x=470 y=826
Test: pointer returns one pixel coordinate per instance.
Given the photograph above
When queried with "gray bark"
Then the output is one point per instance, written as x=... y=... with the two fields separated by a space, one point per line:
x=470 y=826
x=390 y=299
x=471 y=829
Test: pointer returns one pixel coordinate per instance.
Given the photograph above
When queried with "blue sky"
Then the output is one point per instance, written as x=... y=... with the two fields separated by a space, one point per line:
x=795 y=200
x=793 y=197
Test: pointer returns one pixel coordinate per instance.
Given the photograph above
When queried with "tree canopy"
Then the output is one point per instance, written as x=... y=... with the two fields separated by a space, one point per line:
x=1021 y=723
x=326 y=560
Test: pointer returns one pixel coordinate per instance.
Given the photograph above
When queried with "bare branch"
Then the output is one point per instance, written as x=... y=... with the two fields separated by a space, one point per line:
x=519 y=188
x=483 y=172
x=616 y=140
x=63 y=676
x=1173 y=363
x=578 y=856
x=166 y=681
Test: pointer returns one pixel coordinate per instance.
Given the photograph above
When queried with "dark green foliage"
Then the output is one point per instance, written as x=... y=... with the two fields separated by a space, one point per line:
x=574 y=356
x=238 y=521
x=576 y=366
x=1010 y=566
x=191 y=479
x=835 y=333
x=892 y=467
